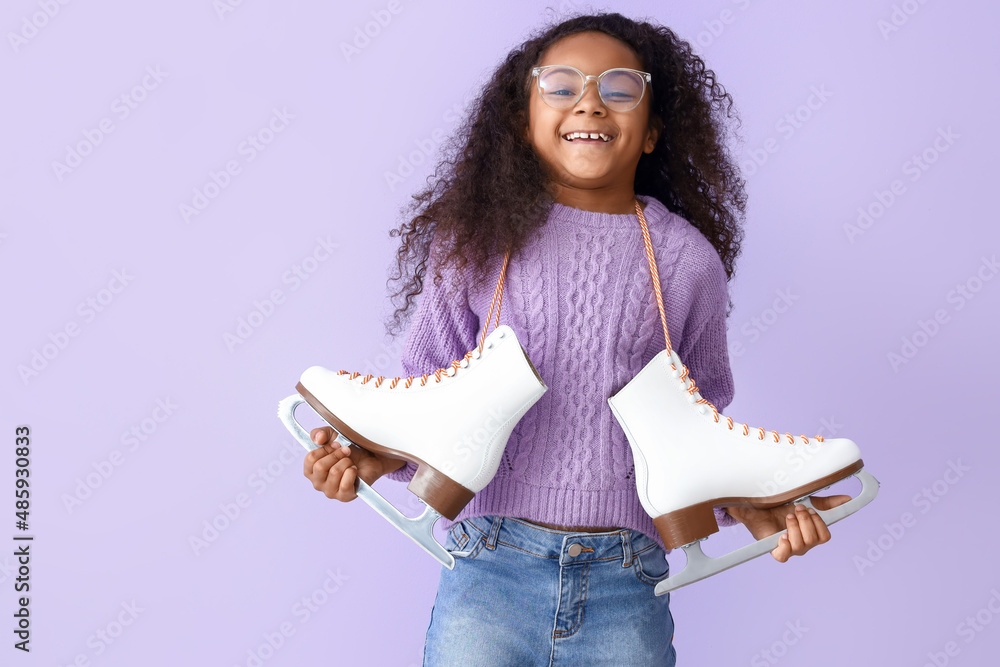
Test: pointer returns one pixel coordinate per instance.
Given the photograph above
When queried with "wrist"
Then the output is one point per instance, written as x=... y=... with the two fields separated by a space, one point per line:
x=390 y=465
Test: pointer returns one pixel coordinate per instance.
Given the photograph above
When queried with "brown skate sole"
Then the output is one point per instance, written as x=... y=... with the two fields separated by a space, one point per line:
x=694 y=522
x=432 y=486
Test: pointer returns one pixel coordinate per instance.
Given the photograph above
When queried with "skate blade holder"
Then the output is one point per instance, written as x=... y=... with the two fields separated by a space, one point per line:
x=419 y=529
x=699 y=565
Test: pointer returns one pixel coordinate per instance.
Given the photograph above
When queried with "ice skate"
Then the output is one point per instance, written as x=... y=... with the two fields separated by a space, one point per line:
x=690 y=458
x=453 y=423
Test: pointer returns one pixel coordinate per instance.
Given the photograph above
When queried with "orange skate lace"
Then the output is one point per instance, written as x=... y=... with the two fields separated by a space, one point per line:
x=456 y=364
x=685 y=377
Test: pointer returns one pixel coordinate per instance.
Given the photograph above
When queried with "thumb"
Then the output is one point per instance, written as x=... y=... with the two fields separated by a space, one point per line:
x=783 y=551
x=828 y=502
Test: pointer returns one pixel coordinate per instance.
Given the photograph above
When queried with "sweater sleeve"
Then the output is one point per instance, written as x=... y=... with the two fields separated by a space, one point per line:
x=443 y=328
x=704 y=348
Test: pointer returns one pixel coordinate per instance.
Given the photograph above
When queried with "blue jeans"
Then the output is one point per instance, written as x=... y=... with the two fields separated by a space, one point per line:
x=523 y=595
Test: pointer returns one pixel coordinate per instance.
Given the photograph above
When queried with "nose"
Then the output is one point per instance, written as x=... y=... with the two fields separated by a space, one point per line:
x=590 y=101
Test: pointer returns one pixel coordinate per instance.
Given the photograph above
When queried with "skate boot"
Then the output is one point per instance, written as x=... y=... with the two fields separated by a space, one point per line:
x=689 y=458
x=453 y=423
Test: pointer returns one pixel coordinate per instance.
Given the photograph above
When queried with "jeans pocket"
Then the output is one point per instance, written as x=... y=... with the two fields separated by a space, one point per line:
x=650 y=564
x=464 y=541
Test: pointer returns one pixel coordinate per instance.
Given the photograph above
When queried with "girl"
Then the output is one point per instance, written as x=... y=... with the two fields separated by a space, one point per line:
x=555 y=559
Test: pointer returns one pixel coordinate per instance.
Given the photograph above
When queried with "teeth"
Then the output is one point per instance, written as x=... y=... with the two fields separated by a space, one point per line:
x=587 y=135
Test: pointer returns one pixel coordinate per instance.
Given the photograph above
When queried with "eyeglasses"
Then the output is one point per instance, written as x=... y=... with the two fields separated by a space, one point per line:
x=562 y=86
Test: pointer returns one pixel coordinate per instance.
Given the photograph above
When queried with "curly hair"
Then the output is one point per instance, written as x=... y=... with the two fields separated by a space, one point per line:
x=490 y=190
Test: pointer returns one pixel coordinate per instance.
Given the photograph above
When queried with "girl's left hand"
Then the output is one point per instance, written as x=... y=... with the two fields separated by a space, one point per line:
x=805 y=529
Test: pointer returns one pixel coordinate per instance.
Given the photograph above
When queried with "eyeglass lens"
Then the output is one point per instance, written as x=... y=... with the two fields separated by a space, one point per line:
x=561 y=87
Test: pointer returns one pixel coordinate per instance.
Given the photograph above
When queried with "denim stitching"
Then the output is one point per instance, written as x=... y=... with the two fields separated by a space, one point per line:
x=527 y=551
x=580 y=606
x=641 y=575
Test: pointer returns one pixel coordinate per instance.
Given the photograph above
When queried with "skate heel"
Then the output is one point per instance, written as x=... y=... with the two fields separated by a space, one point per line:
x=686 y=525
x=439 y=491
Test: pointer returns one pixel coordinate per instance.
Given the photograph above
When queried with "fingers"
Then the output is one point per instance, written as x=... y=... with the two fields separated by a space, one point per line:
x=314 y=456
x=805 y=529
x=322 y=435
x=785 y=548
x=828 y=502
x=347 y=482
x=319 y=461
x=822 y=530
x=339 y=483
x=331 y=470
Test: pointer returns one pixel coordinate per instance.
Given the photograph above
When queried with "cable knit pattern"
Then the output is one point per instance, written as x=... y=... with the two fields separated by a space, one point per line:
x=580 y=299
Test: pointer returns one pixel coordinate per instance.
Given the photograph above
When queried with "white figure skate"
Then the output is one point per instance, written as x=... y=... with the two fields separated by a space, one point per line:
x=690 y=458
x=453 y=423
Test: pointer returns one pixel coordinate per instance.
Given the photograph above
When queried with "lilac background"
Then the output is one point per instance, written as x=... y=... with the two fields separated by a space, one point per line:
x=162 y=338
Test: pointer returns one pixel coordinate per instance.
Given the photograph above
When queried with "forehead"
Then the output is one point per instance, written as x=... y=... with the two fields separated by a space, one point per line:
x=591 y=53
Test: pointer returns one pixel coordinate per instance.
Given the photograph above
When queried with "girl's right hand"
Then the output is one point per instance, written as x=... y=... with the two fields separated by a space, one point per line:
x=334 y=470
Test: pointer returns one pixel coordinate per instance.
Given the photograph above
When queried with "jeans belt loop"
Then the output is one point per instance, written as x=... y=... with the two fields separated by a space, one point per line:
x=626 y=548
x=491 y=541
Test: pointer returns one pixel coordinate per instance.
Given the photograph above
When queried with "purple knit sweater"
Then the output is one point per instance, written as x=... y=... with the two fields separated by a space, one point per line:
x=580 y=300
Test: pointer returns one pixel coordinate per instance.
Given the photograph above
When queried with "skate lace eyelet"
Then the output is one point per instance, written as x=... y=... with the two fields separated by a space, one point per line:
x=502 y=334
x=490 y=346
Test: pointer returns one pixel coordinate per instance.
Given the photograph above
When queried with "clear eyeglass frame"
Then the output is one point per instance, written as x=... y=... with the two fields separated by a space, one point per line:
x=646 y=78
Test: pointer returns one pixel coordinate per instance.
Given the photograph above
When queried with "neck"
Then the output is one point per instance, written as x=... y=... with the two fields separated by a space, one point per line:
x=601 y=200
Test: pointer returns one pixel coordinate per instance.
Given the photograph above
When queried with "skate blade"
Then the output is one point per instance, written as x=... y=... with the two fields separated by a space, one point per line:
x=419 y=529
x=700 y=566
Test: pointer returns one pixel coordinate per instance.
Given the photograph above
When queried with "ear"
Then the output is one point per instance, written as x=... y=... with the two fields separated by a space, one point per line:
x=653 y=133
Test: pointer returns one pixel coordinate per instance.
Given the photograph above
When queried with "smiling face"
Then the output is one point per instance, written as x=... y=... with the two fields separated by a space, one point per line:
x=591 y=174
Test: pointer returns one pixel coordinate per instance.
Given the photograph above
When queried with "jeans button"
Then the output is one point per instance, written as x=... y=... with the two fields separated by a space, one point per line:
x=574 y=550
